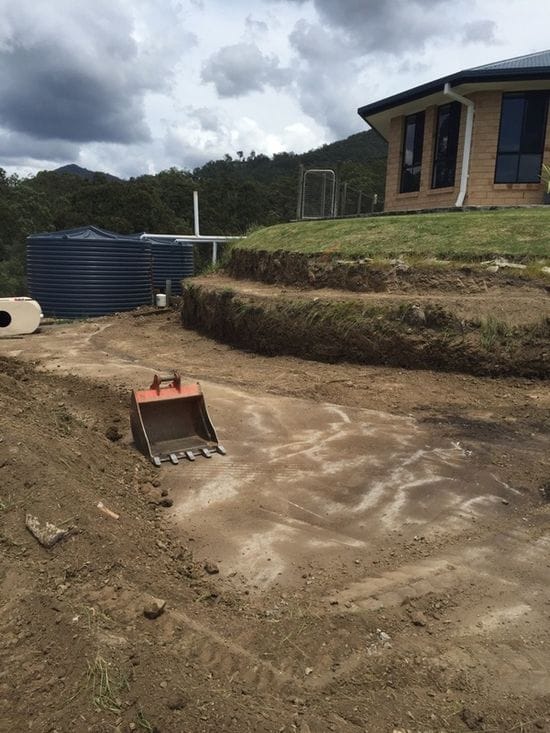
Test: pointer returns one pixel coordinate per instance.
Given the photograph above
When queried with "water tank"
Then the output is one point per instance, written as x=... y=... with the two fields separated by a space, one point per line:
x=171 y=261
x=88 y=272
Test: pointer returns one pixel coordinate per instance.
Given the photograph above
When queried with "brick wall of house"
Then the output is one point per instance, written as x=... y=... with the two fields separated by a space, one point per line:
x=482 y=191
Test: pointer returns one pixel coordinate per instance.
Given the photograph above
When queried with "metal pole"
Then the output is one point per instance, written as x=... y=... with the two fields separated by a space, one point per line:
x=214 y=252
x=324 y=195
x=196 y=211
x=168 y=292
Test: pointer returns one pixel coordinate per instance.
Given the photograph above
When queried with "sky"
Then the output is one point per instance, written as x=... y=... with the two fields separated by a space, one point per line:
x=138 y=86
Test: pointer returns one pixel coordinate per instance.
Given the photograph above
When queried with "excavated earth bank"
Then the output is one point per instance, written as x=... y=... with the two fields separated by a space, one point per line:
x=505 y=331
x=325 y=271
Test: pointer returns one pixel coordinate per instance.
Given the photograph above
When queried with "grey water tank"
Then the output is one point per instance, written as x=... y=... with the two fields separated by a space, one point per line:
x=88 y=272
x=171 y=261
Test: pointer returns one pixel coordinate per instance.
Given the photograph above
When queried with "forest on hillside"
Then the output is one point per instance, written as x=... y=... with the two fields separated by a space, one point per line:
x=236 y=194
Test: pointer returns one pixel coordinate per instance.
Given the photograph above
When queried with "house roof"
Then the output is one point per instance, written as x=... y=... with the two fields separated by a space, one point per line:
x=533 y=66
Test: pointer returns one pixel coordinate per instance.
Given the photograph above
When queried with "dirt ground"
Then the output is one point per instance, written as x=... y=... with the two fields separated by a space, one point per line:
x=377 y=540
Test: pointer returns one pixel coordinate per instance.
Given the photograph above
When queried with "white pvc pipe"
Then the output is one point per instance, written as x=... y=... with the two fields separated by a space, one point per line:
x=189 y=237
x=196 y=212
x=470 y=108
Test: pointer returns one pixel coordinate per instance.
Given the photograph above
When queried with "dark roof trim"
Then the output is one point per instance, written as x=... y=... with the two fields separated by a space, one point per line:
x=470 y=76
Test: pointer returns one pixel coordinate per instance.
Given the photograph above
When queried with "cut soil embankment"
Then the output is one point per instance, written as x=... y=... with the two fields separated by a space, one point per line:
x=496 y=335
x=327 y=270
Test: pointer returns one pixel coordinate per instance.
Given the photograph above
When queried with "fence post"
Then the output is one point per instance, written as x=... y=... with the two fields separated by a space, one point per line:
x=214 y=252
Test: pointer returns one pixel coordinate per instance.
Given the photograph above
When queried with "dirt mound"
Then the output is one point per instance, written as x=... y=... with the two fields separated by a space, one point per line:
x=400 y=332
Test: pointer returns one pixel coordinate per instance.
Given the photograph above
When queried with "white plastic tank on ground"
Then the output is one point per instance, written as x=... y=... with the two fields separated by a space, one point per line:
x=160 y=300
x=19 y=316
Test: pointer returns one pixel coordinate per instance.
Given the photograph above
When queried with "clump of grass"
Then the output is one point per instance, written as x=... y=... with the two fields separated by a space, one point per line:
x=144 y=724
x=106 y=683
x=6 y=504
x=492 y=331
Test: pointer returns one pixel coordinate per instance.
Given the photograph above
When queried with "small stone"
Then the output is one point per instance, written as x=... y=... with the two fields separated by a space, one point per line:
x=505 y=502
x=211 y=568
x=166 y=501
x=154 y=608
x=164 y=492
x=156 y=483
x=419 y=619
x=163 y=684
x=308 y=670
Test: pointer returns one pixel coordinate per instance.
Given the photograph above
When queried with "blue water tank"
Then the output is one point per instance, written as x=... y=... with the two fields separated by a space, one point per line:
x=88 y=272
x=171 y=261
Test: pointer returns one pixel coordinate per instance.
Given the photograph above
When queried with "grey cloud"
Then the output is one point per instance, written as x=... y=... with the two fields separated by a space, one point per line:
x=352 y=35
x=242 y=68
x=479 y=31
x=395 y=27
x=255 y=26
x=19 y=149
x=77 y=74
x=206 y=117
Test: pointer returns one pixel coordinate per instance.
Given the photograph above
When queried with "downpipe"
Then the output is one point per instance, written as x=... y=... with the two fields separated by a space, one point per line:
x=470 y=108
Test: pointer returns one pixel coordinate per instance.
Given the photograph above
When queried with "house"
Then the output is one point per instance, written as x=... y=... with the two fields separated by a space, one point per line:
x=474 y=138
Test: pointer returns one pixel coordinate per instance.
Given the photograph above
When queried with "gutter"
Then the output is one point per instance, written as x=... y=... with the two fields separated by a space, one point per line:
x=467 y=140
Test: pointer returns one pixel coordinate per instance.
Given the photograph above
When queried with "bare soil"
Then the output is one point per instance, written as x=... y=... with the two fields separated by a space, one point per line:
x=500 y=332
x=381 y=537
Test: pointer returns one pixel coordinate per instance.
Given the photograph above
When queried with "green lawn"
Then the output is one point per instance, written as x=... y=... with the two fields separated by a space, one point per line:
x=518 y=234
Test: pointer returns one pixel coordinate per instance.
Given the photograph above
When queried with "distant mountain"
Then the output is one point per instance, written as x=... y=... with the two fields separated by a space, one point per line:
x=75 y=170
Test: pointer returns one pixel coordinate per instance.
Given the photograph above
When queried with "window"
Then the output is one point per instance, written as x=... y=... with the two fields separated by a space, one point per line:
x=446 y=145
x=521 y=137
x=413 y=139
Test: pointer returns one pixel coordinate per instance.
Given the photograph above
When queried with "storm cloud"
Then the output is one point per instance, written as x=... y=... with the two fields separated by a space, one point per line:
x=242 y=68
x=74 y=71
x=134 y=86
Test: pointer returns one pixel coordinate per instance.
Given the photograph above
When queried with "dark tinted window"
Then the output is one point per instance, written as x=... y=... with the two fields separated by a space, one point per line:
x=446 y=145
x=521 y=137
x=413 y=140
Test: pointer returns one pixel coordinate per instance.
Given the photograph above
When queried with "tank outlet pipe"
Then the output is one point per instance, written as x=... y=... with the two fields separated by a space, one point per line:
x=470 y=109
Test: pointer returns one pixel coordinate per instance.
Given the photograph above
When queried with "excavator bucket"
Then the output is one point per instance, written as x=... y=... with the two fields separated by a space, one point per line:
x=171 y=422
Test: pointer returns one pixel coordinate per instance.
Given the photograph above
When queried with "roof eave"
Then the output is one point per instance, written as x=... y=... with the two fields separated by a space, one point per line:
x=463 y=77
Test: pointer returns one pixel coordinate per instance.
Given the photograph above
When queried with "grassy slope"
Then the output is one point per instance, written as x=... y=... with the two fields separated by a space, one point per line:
x=518 y=234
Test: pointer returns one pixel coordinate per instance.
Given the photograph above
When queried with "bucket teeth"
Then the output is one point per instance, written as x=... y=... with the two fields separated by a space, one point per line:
x=206 y=453
x=190 y=455
x=174 y=459
x=221 y=450
x=157 y=461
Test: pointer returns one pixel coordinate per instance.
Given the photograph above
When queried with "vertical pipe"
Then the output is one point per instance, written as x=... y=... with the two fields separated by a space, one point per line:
x=214 y=252
x=196 y=212
x=299 y=208
x=168 y=292
x=470 y=107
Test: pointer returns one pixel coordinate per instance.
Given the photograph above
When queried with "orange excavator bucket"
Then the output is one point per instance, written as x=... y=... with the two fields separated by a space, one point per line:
x=171 y=422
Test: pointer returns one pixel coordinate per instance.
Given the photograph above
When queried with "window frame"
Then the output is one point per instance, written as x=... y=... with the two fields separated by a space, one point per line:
x=418 y=150
x=521 y=95
x=455 y=119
